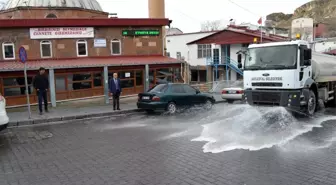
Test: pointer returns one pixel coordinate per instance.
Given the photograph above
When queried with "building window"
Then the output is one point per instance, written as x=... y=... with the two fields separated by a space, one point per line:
x=203 y=50
x=115 y=47
x=139 y=78
x=168 y=54
x=51 y=16
x=82 y=48
x=178 y=55
x=8 y=51
x=15 y=86
x=127 y=78
x=46 y=50
x=97 y=80
x=79 y=81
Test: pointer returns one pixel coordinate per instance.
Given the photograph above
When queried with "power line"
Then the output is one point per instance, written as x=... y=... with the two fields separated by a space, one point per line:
x=243 y=8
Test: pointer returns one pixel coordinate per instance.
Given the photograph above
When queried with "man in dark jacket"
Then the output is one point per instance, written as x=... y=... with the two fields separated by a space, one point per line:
x=115 y=90
x=41 y=85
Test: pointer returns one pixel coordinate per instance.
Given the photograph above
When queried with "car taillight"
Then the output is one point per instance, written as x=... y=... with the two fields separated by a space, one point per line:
x=224 y=92
x=240 y=92
x=156 y=98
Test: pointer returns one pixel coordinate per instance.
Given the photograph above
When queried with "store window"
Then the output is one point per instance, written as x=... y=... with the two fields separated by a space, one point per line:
x=126 y=74
x=151 y=78
x=8 y=51
x=82 y=48
x=164 y=75
x=79 y=81
x=116 y=47
x=97 y=80
x=60 y=83
x=46 y=49
x=129 y=83
x=139 y=78
x=15 y=86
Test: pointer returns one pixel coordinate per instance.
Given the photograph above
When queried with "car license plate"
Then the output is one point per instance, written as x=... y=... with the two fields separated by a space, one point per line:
x=232 y=92
x=145 y=97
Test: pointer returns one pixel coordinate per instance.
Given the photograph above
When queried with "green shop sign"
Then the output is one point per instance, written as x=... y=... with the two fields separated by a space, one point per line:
x=140 y=33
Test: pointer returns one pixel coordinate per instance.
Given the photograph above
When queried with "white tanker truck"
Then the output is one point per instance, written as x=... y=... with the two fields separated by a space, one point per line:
x=288 y=74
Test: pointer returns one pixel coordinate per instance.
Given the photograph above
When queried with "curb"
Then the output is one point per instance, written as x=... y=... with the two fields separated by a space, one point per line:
x=74 y=117
x=69 y=118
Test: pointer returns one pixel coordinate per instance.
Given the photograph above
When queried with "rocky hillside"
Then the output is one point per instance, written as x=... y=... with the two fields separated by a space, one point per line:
x=319 y=10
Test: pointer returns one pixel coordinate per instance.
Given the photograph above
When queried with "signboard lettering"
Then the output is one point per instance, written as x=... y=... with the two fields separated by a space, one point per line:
x=99 y=43
x=61 y=32
x=266 y=79
x=140 y=33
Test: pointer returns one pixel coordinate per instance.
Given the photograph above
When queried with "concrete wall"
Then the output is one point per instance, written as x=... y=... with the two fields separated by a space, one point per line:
x=178 y=43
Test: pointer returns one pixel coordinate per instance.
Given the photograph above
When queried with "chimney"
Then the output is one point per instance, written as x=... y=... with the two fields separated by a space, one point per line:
x=156 y=9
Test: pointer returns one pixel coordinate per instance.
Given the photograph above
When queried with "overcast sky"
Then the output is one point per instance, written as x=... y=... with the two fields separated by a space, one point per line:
x=189 y=14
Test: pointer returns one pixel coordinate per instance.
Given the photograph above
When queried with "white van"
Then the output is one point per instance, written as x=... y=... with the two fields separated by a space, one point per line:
x=3 y=114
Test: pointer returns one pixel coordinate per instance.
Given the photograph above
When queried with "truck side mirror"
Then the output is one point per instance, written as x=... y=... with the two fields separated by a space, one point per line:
x=307 y=63
x=239 y=59
x=240 y=65
x=307 y=54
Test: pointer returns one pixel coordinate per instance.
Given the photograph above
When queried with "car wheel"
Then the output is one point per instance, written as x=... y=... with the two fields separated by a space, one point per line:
x=208 y=104
x=230 y=101
x=311 y=107
x=171 y=108
x=3 y=127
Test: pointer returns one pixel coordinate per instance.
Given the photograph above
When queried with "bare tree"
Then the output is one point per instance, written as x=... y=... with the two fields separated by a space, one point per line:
x=212 y=25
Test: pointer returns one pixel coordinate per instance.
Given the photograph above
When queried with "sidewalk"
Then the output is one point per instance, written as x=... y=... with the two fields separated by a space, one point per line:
x=70 y=111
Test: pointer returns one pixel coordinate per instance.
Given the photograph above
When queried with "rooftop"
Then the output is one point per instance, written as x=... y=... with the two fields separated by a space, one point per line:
x=191 y=33
x=84 y=4
x=238 y=31
x=23 y=23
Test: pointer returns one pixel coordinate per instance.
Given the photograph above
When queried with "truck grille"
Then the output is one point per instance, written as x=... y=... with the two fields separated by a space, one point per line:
x=267 y=84
x=266 y=98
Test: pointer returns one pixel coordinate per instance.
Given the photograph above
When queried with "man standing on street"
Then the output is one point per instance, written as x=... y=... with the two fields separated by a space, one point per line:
x=41 y=85
x=115 y=90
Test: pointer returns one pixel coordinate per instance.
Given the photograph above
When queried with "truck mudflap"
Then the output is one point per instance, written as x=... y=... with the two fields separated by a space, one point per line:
x=291 y=99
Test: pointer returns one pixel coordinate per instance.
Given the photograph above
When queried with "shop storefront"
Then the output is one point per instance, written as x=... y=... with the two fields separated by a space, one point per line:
x=86 y=82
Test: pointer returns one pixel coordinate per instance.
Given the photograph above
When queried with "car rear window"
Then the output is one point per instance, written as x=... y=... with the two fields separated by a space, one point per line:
x=161 y=88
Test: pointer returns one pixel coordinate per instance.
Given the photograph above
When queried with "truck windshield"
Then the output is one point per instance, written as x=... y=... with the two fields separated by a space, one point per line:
x=272 y=57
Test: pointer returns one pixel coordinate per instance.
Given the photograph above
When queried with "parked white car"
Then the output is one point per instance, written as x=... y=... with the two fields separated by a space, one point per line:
x=3 y=114
x=233 y=91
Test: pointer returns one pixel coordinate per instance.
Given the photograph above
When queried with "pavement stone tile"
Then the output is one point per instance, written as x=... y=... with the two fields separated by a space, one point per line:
x=92 y=152
x=69 y=111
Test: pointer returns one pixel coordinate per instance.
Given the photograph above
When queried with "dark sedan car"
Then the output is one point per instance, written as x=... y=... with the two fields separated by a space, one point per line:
x=170 y=96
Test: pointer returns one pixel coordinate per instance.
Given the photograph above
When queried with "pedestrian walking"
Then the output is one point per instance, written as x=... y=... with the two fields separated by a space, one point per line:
x=41 y=85
x=115 y=90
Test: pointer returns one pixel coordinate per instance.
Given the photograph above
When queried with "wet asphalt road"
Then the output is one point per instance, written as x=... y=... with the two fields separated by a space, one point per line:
x=232 y=144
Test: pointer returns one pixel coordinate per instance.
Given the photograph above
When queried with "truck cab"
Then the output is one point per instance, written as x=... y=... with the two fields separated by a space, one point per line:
x=279 y=74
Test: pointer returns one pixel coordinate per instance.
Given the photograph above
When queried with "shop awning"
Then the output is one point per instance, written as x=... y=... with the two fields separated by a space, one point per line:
x=87 y=62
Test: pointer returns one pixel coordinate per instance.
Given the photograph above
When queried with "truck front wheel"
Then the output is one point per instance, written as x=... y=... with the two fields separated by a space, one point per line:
x=311 y=103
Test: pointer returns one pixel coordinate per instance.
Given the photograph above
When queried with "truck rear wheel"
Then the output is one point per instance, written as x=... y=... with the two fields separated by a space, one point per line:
x=311 y=103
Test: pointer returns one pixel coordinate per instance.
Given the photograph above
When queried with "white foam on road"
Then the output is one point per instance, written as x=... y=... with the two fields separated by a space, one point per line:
x=130 y=122
x=251 y=128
